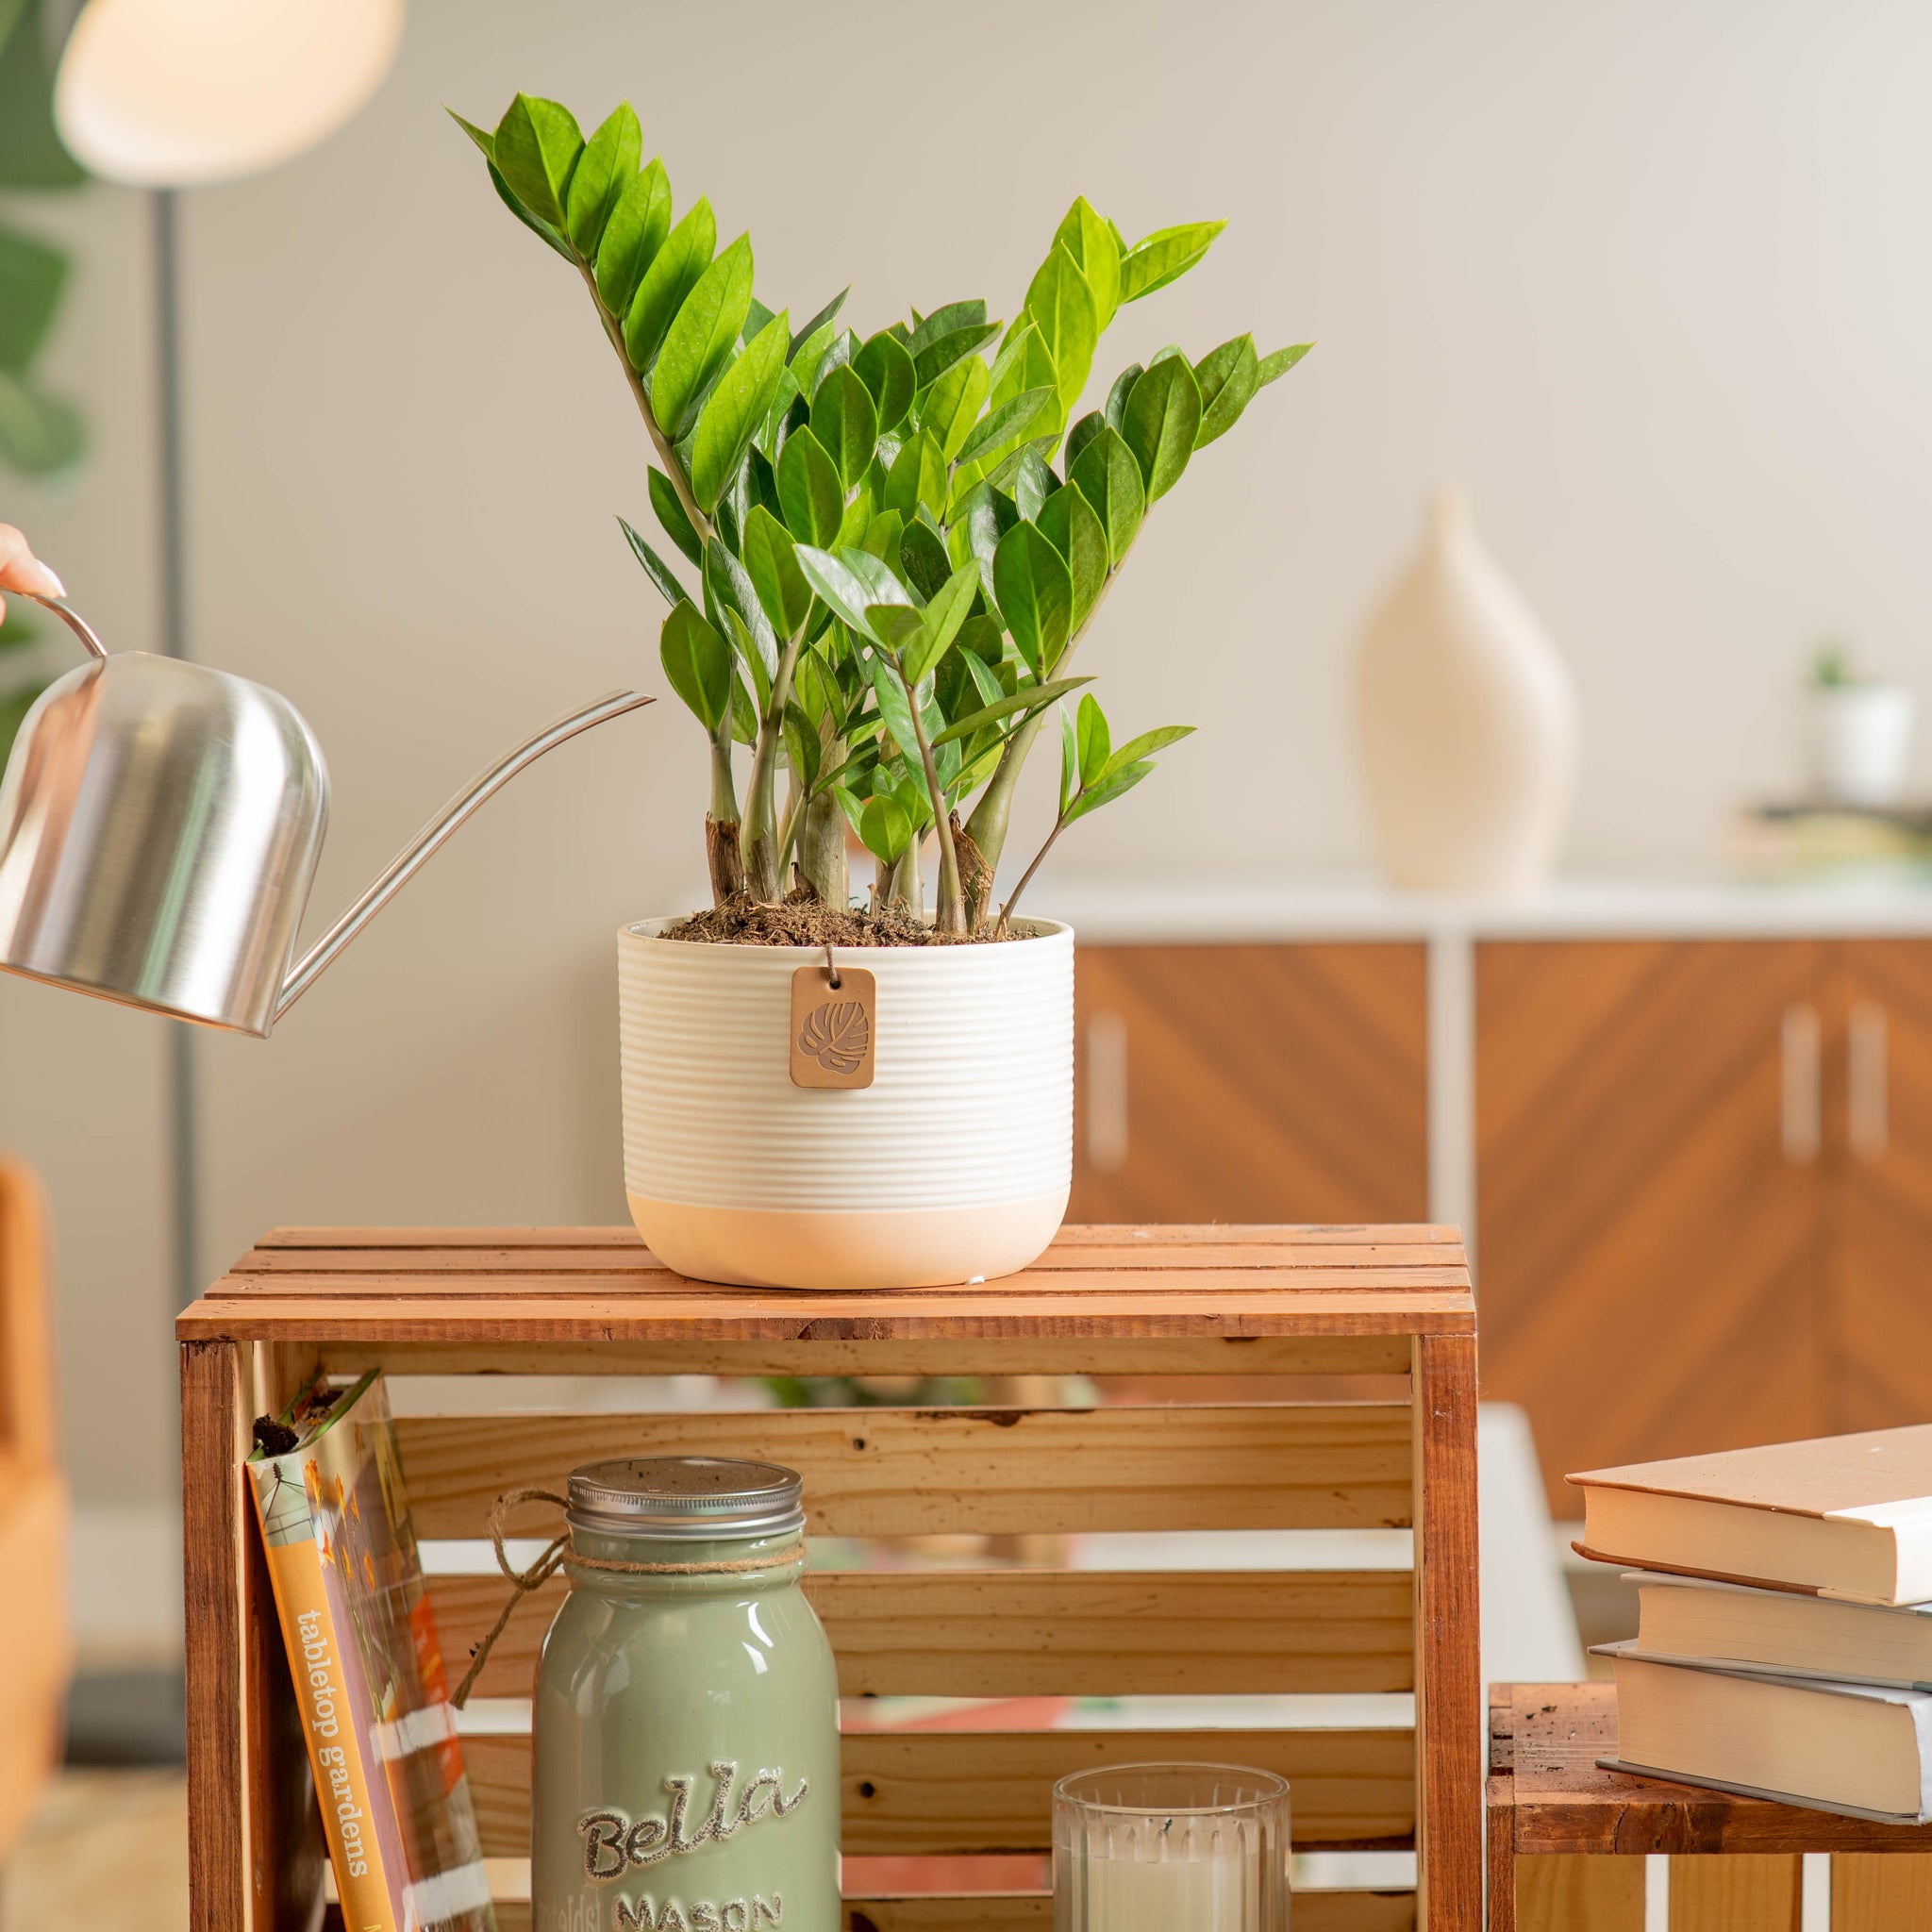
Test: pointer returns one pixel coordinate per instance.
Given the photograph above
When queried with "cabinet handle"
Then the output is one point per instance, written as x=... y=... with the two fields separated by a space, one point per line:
x=1869 y=1112
x=1800 y=1124
x=1107 y=1093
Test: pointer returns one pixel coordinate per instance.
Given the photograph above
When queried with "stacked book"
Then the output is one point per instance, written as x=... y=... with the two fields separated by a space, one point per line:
x=1784 y=1645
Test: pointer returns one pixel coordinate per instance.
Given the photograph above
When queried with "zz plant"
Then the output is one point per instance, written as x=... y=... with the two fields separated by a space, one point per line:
x=899 y=543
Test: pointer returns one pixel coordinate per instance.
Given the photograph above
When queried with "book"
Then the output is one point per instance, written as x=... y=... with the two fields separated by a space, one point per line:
x=368 y=1677
x=1841 y=1516
x=1695 y=1621
x=1853 y=1748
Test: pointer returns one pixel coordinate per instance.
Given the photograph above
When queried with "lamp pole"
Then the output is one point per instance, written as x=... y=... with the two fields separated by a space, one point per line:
x=184 y=1178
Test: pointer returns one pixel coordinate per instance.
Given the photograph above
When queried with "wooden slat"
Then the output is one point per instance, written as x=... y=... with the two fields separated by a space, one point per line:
x=1033 y=1633
x=1578 y=1894
x=1153 y=1238
x=1449 y=1693
x=1742 y=1893
x=924 y=1355
x=1314 y=1911
x=877 y=1471
x=1880 y=1894
x=916 y=1793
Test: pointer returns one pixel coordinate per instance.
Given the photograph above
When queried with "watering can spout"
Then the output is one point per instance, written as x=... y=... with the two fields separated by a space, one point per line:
x=159 y=827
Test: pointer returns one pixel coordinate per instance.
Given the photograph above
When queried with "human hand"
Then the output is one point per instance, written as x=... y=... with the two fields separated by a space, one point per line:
x=21 y=570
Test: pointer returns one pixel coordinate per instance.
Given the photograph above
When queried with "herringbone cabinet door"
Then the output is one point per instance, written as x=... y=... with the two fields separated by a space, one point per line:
x=1251 y=1083
x=1650 y=1141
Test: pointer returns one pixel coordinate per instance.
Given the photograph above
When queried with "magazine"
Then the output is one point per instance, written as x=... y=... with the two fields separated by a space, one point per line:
x=362 y=1642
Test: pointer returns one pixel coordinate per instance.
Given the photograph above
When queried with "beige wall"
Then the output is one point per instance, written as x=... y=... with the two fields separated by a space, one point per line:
x=1653 y=281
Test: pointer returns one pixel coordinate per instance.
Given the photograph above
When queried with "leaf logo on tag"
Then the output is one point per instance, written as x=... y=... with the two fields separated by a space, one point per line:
x=834 y=1025
x=836 y=1036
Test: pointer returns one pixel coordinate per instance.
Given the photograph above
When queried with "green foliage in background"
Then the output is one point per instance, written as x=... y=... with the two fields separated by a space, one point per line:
x=883 y=553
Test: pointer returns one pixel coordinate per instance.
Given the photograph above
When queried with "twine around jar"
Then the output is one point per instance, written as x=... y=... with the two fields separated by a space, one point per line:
x=558 y=1550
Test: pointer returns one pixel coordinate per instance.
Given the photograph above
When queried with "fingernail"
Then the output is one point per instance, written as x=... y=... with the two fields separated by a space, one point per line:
x=59 y=589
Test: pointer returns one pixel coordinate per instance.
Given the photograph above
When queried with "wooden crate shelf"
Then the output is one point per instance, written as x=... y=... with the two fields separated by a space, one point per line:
x=1156 y=1304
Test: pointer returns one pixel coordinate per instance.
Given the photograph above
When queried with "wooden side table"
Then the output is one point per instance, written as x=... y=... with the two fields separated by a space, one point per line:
x=1173 y=1304
x=1567 y=1841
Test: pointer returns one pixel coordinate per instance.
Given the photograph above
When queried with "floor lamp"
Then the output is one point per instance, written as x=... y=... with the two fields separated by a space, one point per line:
x=169 y=95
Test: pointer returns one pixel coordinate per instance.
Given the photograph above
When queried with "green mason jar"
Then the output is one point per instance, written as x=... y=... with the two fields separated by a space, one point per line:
x=687 y=1715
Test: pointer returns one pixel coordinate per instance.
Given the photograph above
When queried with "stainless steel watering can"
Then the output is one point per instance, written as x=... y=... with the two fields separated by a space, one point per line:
x=159 y=827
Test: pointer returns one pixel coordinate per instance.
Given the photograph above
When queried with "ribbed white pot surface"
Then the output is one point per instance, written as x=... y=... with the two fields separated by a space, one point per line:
x=963 y=1141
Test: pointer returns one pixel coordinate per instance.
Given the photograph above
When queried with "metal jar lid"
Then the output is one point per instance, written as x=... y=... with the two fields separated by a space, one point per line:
x=689 y=1497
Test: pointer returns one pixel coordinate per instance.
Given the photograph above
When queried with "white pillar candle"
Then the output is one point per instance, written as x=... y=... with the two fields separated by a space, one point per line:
x=1210 y=1889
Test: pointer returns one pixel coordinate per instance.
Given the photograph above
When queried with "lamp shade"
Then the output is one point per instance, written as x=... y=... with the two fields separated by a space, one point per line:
x=170 y=94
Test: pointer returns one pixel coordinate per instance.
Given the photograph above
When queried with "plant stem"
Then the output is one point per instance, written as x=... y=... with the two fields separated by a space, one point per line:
x=822 y=843
x=989 y=820
x=763 y=860
x=952 y=903
x=722 y=847
x=1059 y=825
x=672 y=468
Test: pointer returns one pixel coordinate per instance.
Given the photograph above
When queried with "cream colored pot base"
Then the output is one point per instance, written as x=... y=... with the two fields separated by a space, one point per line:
x=850 y=1249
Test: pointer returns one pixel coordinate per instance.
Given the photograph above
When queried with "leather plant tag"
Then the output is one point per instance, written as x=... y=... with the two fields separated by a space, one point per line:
x=832 y=1026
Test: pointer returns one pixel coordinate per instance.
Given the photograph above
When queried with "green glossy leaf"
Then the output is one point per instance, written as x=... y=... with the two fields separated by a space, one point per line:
x=932 y=360
x=1094 y=740
x=944 y=617
x=32 y=276
x=837 y=354
x=885 y=370
x=851 y=581
x=1274 y=366
x=895 y=709
x=701 y=337
x=923 y=560
x=756 y=317
x=1116 y=409
x=1162 y=414
x=1005 y=421
x=539 y=228
x=1144 y=747
x=943 y=321
x=734 y=409
x=1108 y=477
x=1109 y=788
x=810 y=492
x=769 y=560
x=918 y=477
x=984 y=520
x=953 y=404
x=822 y=320
x=856 y=521
x=845 y=424
x=885 y=829
x=486 y=141
x=609 y=166
x=1069 y=760
x=632 y=237
x=803 y=750
x=655 y=568
x=1035 y=596
x=728 y=592
x=1065 y=315
x=1073 y=527
x=772 y=431
x=670 y=516
x=1228 y=378
x=1028 y=699
x=882 y=535
x=1082 y=433
x=744 y=715
x=673 y=274
x=535 y=150
x=698 y=663
x=745 y=648
x=1091 y=243
x=1164 y=256
x=1025 y=477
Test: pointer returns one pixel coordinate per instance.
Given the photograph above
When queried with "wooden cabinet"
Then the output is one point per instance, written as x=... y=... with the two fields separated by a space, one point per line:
x=1251 y=1083
x=1649 y=1184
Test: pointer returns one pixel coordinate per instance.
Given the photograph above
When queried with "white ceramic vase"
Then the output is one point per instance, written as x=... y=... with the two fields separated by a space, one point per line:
x=952 y=1166
x=1466 y=721
x=1861 y=744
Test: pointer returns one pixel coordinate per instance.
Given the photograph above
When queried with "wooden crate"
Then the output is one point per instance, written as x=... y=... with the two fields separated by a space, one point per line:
x=1568 y=1839
x=1231 y=1304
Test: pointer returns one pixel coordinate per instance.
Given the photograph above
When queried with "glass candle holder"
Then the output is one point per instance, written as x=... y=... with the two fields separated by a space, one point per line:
x=1170 y=1848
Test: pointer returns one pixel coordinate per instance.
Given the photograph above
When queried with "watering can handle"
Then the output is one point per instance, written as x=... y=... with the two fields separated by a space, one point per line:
x=71 y=618
x=406 y=863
